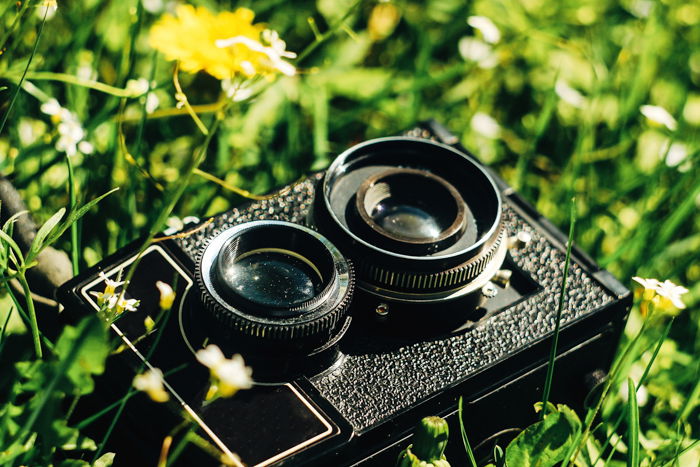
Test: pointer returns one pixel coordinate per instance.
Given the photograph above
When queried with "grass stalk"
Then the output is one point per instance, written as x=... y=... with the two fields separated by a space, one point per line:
x=24 y=73
x=632 y=425
x=560 y=307
x=74 y=243
x=465 y=440
x=642 y=380
x=34 y=326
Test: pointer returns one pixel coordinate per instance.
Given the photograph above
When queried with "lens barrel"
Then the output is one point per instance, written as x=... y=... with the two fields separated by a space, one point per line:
x=420 y=221
x=275 y=281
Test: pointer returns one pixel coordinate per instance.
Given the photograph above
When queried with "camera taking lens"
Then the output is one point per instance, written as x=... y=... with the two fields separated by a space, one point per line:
x=275 y=281
x=421 y=221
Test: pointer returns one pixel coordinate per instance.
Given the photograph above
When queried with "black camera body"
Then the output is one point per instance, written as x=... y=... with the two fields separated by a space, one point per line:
x=366 y=326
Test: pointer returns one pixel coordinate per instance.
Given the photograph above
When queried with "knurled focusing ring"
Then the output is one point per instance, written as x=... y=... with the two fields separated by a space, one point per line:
x=274 y=280
x=392 y=278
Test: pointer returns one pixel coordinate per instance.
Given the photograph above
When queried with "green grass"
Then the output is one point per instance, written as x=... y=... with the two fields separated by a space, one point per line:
x=365 y=72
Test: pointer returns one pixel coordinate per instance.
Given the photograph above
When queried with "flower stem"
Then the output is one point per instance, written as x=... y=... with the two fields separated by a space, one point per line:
x=182 y=99
x=32 y=314
x=86 y=83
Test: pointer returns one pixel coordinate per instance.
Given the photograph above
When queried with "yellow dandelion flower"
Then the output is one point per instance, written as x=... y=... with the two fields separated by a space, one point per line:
x=225 y=45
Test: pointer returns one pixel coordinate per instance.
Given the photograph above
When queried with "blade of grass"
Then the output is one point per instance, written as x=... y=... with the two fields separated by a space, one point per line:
x=24 y=73
x=632 y=425
x=4 y=328
x=681 y=452
x=465 y=440
x=560 y=307
x=25 y=318
x=74 y=246
x=642 y=380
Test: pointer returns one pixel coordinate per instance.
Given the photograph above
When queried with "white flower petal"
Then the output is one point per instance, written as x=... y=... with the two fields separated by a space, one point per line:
x=211 y=356
x=659 y=115
x=85 y=147
x=485 y=125
x=569 y=94
x=234 y=373
x=676 y=154
x=51 y=107
x=487 y=28
x=138 y=86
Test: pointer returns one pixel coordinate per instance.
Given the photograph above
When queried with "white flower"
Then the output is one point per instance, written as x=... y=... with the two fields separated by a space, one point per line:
x=109 y=291
x=228 y=375
x=138 y=86
x=676 y=154
x=29 y=130
x=70 y=134
x=672 y=293
x=118 y=304
x=46 y=9
x=211 y=356
x=70 y=131
x=54 y=109
x=272 y=38
x=110 y=285
x=85 y=147
x=648 y=284
x=239 y=91
x=167 y=295
x=153 y=6
x=175 y=223
x=659 y=116
x=476 y=50
x=569 y=94
x=151 y=382
x=152 y=102
x=485 y=125
x=275 y=52
x=486 y=27
x=666 y=296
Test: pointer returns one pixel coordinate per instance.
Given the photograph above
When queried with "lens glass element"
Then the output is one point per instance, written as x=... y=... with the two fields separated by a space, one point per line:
x=272 y=277
x=405 y=220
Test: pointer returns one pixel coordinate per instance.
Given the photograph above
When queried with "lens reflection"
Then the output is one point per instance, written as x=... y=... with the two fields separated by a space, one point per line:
x=272 y=278
x=405 y=220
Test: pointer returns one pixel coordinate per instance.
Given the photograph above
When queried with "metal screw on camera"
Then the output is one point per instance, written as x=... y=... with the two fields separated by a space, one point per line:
x=502 y=277
x=519 y=240
x=382 y=310
x=489 y=290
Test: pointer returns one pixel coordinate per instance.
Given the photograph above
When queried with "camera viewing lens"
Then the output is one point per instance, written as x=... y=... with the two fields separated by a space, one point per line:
x=271 y=277
x=421 y=220
x=274 y=280
x=411 y=207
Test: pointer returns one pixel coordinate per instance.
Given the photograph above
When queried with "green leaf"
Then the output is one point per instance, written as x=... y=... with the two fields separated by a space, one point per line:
x=73 y=216
x=633 y=425
x=7 y=227
x=546 y=442
x=18 y=258
x=44 y=231
x=91 y=358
